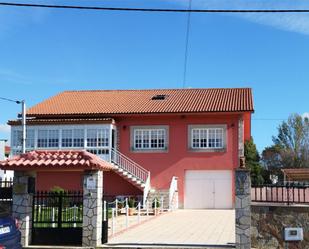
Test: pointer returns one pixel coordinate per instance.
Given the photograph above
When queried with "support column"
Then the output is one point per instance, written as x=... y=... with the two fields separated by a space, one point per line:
x=92 y=208
x=243 y=208
x=22 y=205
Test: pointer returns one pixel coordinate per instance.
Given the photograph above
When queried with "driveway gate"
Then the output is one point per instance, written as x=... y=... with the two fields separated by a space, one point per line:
x=57 y=218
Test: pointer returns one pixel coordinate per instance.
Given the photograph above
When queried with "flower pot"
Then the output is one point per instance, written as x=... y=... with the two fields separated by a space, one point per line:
x=156 y=211
x=131 y=211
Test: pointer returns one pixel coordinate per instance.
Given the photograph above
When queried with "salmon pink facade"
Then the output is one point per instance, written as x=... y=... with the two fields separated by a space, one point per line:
x=152 y=137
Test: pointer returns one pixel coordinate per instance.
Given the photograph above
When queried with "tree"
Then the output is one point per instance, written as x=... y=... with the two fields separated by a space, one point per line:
x=253 y=163
x=292 y=142
x=272 y=161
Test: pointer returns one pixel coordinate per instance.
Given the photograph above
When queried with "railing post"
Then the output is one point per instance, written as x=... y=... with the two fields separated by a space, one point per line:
x=127 y=216
x=60 y=210
x=53 y=217
x=116 y=203
x=147 y=208
x=113 y=221
x=139 y=212
x=74 y=214
x=162 y=198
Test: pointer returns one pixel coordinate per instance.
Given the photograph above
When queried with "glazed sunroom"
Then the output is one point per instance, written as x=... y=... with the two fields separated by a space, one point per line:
x=97 y=138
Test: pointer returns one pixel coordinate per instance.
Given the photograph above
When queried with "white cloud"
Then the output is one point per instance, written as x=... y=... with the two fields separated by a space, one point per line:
x=4 y=128
x=294 y=22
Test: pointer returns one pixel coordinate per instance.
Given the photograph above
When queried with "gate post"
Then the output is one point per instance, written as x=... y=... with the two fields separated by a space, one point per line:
x=243 y=208
x=92 y=208
x=22 y=205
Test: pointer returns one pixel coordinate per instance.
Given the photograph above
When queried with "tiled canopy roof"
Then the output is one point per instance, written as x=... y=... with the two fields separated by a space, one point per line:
x=107 y=102
x=62 y=160
x=296 y=174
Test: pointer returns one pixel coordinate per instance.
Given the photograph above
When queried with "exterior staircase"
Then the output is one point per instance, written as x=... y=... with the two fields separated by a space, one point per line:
x=132 y=172
x=161 y=195
x=140 y=177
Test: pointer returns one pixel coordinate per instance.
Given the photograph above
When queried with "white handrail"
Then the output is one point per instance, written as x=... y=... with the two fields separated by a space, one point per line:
x=129 y=165
x=173 y=193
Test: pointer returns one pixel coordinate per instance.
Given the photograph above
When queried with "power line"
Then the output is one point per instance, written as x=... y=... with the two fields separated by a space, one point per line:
x=186 y=45
x=11 y=100
x=155 y=9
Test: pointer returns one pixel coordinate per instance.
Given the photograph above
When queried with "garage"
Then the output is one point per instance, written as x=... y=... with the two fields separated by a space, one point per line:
x=210 y=189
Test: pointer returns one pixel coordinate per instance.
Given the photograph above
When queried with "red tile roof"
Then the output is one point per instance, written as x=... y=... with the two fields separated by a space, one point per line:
x=107 y=102
x=38 y=121
x=56 y=159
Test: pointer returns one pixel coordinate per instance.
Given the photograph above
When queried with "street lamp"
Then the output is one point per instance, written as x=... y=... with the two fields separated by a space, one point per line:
x=23 y=120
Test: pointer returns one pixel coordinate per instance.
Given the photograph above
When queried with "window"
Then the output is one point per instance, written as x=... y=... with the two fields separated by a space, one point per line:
x=149 y=138
x=30 y=139
x=48 y=138
x=18 y=137
x=72 y=138
x=207 y=137
x=97 y=137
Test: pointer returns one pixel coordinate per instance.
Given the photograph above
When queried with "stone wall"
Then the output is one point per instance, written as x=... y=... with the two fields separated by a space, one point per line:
x=22 y=205
x=242 y=208
x=92 y=209
x=268 y=222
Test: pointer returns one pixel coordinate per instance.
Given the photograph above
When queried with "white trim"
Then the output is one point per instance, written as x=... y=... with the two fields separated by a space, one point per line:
x=206 y=128
x=59 y=129
x=149 y=129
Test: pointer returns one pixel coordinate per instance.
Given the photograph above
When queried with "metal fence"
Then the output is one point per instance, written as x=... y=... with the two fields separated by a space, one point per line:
x=57 y=218
x=296 y=193
x=63 y=209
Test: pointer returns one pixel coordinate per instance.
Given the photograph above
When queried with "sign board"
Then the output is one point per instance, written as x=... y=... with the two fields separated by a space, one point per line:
x=91 y=183
x=293 y=234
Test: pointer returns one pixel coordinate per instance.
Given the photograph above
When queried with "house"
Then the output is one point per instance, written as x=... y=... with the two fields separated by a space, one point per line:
x=151 y=136
x=4 y=153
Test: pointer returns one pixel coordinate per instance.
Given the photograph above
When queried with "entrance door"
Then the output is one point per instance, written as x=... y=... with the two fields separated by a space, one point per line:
x=208 y=189
x=57 y=218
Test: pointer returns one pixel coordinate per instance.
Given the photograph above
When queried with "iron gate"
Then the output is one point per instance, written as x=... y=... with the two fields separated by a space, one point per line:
x=57 y=218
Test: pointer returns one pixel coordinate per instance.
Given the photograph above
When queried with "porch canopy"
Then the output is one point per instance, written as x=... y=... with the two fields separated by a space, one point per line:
x=62 y=160
x=299 y=174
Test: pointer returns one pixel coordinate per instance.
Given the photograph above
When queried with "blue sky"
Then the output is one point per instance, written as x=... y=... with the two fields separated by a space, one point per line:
x=44 y=52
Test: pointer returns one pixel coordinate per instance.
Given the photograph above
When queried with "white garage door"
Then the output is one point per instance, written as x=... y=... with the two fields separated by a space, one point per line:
x=208 y=189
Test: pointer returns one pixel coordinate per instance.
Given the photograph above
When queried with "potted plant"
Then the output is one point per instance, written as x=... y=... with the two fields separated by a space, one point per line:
x=131 y=203
x=156 y=206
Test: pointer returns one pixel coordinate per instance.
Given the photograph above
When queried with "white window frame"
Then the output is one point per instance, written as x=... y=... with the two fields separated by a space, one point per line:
x=99 y=149
x=206 y=129
x=149 y=130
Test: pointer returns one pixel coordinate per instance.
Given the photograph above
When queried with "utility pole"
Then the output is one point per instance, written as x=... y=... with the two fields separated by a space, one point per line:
x=23 y=122
x=23 y=119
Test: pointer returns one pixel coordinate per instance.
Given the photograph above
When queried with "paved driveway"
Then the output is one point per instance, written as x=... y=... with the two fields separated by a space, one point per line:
x=183 y=227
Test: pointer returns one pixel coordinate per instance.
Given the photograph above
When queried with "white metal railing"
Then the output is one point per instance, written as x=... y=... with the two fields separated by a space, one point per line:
x=129 y=165
x=173 y=194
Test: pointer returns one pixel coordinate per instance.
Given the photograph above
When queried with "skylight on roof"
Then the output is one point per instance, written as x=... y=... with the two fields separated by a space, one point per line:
x=159 y=97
